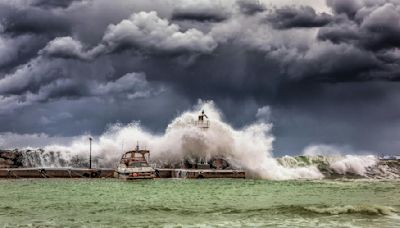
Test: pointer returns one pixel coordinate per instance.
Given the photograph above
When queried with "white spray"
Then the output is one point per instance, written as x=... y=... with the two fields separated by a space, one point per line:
x=249 y=148
x=342 y=164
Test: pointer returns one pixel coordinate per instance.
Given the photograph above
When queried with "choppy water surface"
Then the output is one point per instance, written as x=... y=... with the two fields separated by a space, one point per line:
x=198 y=203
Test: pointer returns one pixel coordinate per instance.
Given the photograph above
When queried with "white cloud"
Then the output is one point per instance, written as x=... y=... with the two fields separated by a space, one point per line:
x=65 y=47
x=148 y=30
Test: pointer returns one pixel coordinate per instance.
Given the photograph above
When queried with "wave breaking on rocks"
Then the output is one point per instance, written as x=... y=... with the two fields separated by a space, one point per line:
x=249 y=148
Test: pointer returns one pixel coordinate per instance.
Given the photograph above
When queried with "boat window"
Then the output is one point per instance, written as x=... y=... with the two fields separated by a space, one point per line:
x=137 y=164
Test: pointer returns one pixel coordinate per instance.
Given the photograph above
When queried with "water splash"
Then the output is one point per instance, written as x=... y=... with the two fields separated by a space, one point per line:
x=249 y=148
x=336 y=164
x=334 y=157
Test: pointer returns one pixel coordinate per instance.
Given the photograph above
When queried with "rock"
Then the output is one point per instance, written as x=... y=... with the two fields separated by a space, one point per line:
x=8 y=154
x=10 y=159
x=6 y=162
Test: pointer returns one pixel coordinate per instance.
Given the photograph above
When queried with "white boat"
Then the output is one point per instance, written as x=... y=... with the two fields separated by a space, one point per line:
x=134 y=165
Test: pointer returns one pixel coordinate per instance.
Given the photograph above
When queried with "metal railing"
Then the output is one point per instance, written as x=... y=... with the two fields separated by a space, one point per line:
x=202 y=123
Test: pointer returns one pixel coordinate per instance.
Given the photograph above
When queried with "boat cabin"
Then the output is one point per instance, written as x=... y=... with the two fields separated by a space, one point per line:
x=136 y=158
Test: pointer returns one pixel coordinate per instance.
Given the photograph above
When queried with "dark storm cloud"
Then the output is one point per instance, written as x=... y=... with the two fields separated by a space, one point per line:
x=53 y=4
x=348 y=7
x=143 y=32
x=207 y=15
x=42 y=80
x=298 y=17
x=108 y=61
x=33 y=20
x=250 y=7
x=201 y=11
x=373 y=26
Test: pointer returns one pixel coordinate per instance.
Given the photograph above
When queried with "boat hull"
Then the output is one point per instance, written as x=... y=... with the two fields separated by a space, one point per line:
x=134 y=176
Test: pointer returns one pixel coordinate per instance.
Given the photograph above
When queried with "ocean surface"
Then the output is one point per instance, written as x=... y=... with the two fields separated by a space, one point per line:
x=198 y=203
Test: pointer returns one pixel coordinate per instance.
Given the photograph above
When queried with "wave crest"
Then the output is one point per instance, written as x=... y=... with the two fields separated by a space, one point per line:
x=350 y=209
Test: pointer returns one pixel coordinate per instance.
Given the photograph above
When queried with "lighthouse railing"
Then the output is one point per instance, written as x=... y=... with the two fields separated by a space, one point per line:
x=202 y=123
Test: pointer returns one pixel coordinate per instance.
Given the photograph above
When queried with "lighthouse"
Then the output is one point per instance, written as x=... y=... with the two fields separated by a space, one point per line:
x=202 y=121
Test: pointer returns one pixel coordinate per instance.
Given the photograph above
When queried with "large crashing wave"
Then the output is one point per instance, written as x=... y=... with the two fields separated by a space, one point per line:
x=332 y=164
x=249 y=148
x=329 y=159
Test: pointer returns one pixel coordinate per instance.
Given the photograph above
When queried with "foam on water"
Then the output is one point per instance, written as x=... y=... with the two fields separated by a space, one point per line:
x=351 y=209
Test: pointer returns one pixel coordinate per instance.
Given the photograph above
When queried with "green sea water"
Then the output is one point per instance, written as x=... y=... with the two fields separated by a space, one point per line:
x=198 y=203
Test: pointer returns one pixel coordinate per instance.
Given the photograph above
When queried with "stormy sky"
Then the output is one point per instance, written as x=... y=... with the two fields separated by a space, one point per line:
x=327 y=70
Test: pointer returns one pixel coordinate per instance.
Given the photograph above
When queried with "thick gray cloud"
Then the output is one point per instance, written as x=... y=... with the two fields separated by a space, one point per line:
x=250 y=7
x=71 y=67
x=371 y=25
x=348 y=7
x=150 y=32
x=144 y=31
x=200 y=11
x=53 y=4
x=298 y=17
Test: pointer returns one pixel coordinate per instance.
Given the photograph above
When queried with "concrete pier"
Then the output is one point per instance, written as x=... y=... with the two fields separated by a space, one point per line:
x=55 y=173
x=108 y=173
x=199 y=173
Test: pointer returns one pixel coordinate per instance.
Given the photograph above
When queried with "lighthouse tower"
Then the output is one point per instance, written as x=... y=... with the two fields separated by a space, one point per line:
x=202 y=121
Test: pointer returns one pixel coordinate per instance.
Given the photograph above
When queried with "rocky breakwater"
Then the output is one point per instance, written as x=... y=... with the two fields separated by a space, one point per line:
x=11 y=159
x=39 y=163
x=39 y=158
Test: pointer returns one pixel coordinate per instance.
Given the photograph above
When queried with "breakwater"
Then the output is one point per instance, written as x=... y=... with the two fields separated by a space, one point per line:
x=55 y=173
x=33 y=158
x=11 y=159
x=41 y=163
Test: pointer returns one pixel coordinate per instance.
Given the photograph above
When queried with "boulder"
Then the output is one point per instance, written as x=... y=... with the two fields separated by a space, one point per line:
x=6 y=161
x=8 y=154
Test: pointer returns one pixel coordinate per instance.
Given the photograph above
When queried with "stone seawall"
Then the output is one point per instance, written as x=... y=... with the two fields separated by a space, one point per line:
x=38 y=159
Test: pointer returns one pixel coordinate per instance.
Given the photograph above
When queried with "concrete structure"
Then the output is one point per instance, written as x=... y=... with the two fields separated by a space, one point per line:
x=199 y=173
x=55 y=173
x=109 y=173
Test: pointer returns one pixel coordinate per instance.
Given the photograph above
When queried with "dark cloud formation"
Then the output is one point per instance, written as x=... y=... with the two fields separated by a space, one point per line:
x=322 y=75
x=372 y=26
x=53 y=4
x=33 y=20
x=200 y=13
x=348 y=7
x=298 y=17
x=250 y=7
